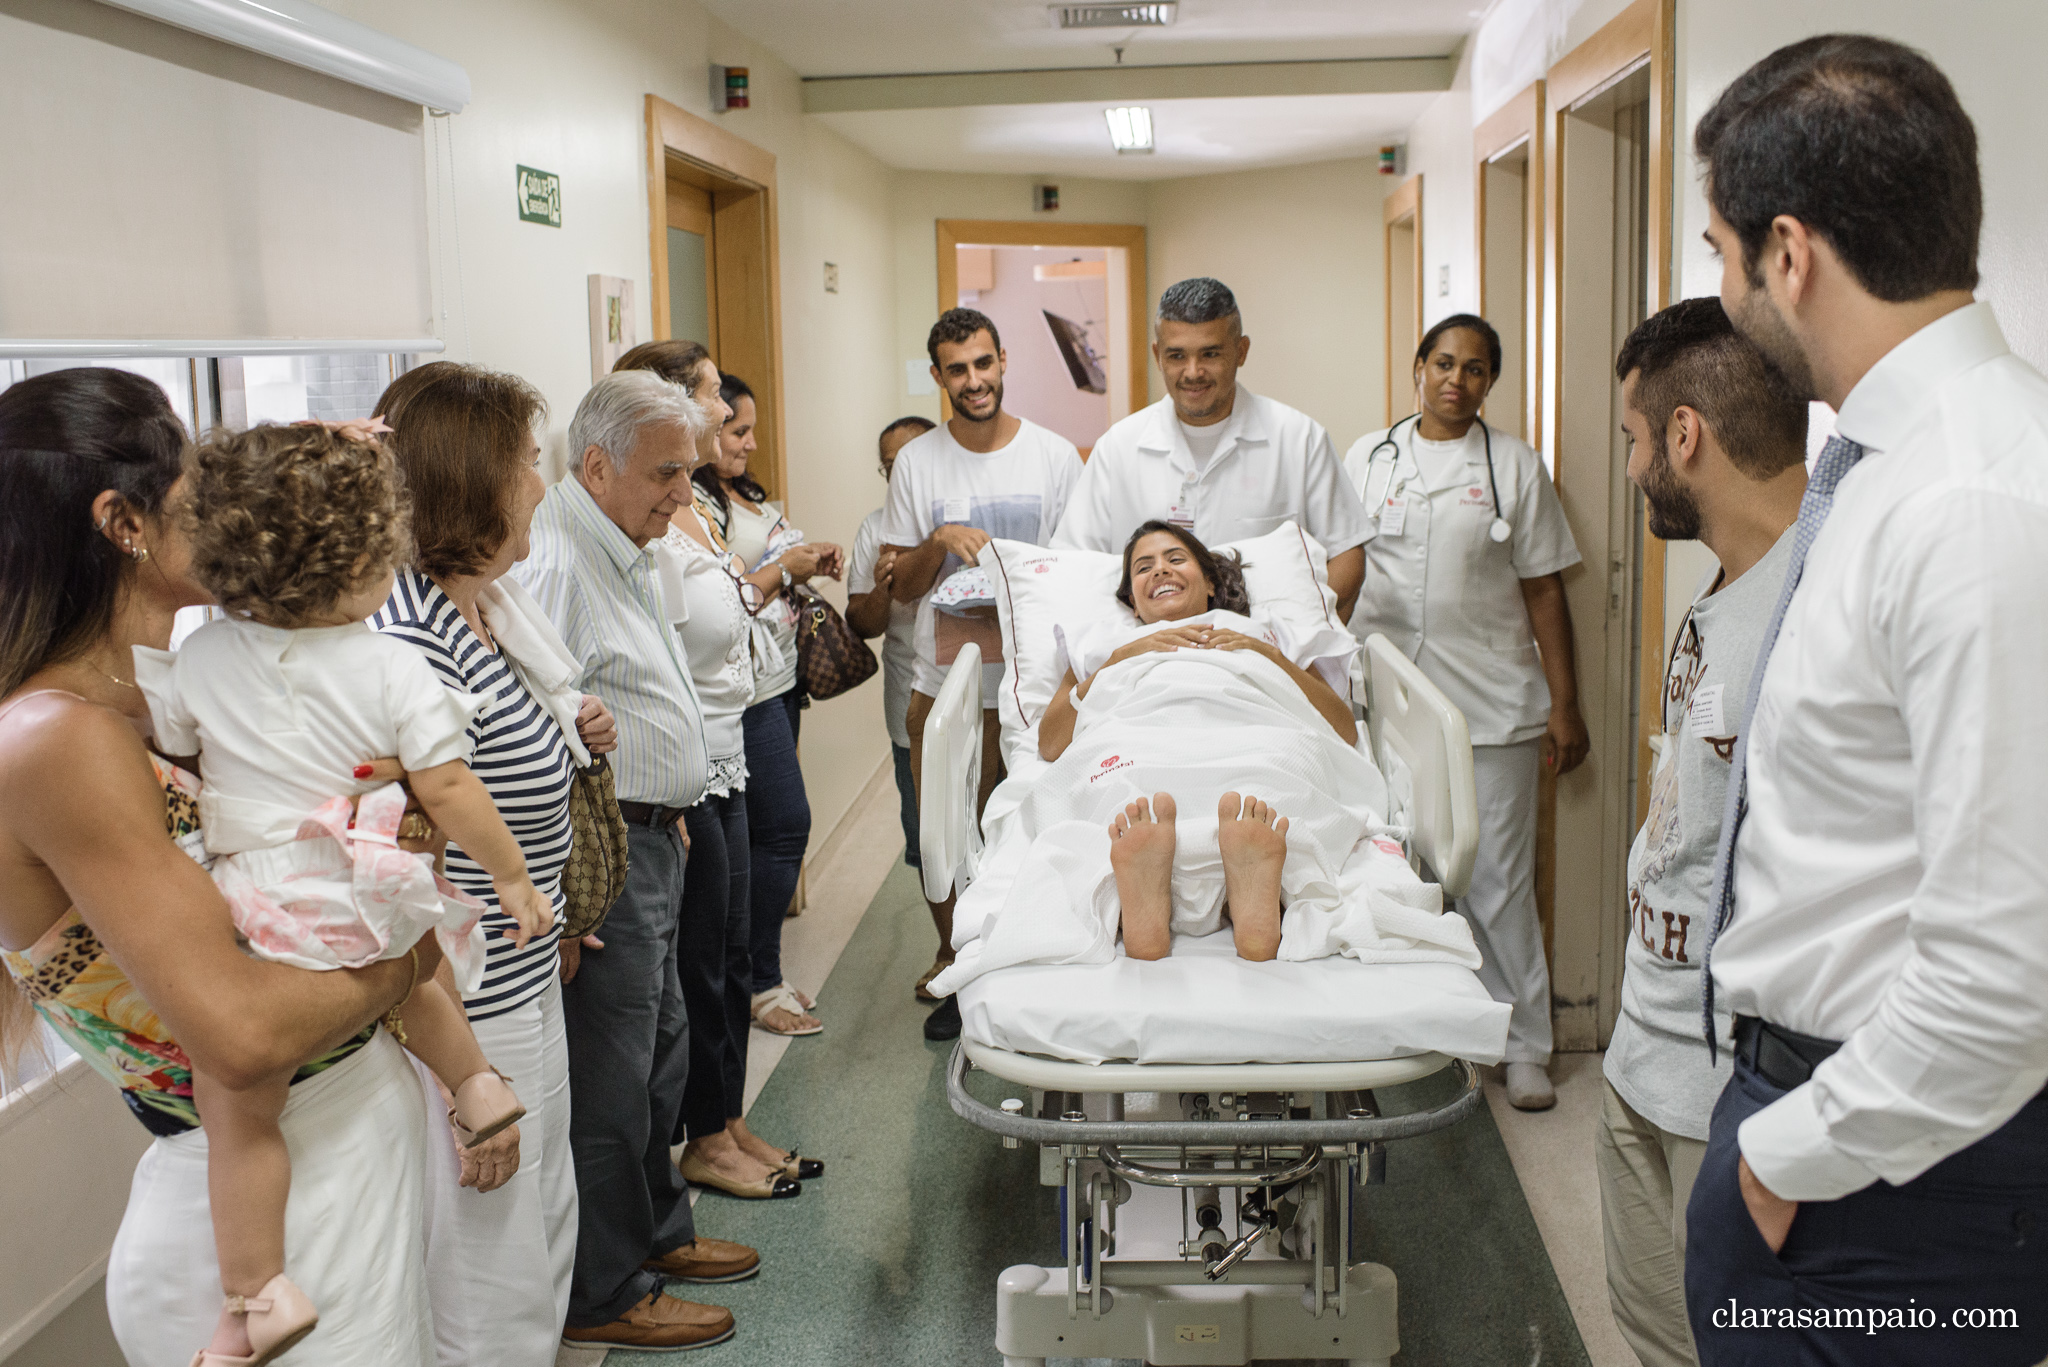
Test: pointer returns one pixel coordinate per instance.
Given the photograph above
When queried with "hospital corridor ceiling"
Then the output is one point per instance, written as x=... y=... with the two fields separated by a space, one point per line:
x=1000 y=86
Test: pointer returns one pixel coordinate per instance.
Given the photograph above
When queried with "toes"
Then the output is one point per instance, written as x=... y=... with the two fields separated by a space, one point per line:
x=1140 y=810
x=1230 y=807
x=1118 y=828
x=1280 y=826
x=1163 y=804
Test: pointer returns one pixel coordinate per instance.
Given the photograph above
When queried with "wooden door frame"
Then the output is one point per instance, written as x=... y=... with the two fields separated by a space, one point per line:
x=1518 y=123
x=1642 y=35
x=1403 y=203
x=737 y=172
x=954 y=233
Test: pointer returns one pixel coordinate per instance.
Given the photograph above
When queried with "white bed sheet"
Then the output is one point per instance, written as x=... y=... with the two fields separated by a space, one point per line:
x=1203 y=1004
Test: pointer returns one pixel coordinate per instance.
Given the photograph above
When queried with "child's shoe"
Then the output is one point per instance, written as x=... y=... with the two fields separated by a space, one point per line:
x=277 y=1318
x=485 y=1105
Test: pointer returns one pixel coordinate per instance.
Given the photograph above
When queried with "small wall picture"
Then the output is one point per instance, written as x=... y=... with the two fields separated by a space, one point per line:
x=612 y=323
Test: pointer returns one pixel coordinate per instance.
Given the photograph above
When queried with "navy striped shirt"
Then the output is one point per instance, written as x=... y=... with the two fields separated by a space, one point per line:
x=524 y=764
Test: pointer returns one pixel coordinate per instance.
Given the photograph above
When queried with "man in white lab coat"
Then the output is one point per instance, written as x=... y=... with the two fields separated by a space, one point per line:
x=1875 y=1185
x=1214 y=457
x=1465 y=575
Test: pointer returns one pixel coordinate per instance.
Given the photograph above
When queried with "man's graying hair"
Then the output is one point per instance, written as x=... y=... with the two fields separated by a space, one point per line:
x=619 y=406
x=1200 y=300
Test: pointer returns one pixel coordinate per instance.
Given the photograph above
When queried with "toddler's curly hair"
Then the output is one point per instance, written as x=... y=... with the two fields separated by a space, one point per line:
x=286 y=520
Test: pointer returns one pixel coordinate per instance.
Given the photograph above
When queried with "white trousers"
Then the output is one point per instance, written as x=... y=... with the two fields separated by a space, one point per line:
x=1501 y=903
x=352 y=1227
x=498 y=1263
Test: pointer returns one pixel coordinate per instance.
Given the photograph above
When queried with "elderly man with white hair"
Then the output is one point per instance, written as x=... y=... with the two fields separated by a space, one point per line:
x=631 y=445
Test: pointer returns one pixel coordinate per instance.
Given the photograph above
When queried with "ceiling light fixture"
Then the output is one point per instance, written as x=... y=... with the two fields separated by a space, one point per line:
x=1154 y=15
x=1130 y=128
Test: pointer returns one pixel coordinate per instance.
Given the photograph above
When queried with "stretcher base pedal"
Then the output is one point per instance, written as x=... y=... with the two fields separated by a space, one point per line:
x=1193 y=1326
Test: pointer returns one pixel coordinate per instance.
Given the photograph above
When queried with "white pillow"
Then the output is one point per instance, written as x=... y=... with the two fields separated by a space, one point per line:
x=1039 y=587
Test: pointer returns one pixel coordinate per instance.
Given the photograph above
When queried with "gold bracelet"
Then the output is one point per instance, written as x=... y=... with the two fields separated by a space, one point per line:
x=392 y=1020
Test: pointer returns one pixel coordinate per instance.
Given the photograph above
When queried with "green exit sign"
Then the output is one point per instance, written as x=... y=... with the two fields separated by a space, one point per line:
x=540 y=197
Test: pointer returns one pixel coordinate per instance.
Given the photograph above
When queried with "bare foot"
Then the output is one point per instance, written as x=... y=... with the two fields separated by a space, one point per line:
x=1254 y=842
x=1141 y=854
x=724 y=1156
x=231 y=1335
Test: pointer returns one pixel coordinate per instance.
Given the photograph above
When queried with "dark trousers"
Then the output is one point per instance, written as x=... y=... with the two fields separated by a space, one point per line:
x=906 y=793
x=778 y=825
x=1967 y=1237
x=715 y=964
x=629 y=1058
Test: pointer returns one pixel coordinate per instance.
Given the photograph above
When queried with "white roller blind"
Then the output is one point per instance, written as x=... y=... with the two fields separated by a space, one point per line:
x=164 y=185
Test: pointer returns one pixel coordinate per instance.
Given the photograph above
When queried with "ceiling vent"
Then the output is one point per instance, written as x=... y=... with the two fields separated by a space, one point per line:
x=1155 y=15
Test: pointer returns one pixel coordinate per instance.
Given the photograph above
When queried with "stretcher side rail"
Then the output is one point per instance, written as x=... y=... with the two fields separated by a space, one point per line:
x=1175 y=1133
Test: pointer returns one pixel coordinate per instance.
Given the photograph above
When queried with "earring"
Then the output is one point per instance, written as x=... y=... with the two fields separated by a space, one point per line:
x=142 y=555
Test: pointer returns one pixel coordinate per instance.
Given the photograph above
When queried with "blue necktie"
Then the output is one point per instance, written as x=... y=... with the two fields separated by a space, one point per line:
x=1837 y=458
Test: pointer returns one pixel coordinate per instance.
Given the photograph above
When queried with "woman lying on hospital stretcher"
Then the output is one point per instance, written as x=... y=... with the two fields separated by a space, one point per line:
x=1186 y=598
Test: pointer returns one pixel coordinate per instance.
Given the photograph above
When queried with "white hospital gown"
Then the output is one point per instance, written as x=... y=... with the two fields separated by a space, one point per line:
x=280 y=719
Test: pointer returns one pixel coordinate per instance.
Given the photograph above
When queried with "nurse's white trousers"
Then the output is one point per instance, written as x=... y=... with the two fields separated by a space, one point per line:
x=498 y=1264
x=1501 y=903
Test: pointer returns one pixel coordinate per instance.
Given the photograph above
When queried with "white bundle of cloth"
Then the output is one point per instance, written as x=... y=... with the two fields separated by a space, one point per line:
x=1197 y=724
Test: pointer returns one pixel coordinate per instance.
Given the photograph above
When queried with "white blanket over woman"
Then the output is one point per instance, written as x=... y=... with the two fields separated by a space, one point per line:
x=1197 y=724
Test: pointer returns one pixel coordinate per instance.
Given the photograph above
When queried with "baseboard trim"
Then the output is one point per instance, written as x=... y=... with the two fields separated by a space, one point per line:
x=883 y=779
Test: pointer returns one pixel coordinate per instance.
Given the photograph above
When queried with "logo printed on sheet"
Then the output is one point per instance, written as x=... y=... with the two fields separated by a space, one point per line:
x=1386 y=846
x=1110 y=766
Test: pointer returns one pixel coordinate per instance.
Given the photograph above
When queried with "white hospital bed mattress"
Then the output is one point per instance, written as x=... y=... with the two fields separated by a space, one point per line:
x=1202 y=1004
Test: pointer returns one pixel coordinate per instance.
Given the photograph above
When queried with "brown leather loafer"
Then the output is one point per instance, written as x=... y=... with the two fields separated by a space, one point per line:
x=707 y=1260
x=659 y=1324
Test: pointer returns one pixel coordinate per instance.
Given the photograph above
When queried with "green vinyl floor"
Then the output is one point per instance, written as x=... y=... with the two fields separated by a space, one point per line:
x=891 y=1259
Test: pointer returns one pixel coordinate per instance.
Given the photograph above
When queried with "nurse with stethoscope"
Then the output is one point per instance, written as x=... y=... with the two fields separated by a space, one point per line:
x=1465 y=576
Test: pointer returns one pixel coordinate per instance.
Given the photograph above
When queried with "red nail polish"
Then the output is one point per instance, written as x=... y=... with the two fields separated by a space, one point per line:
x=364 y=770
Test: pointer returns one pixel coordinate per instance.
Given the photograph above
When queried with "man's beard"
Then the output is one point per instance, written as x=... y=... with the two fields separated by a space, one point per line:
x=995 y=411
x=1764 y=328
x=1674 y=514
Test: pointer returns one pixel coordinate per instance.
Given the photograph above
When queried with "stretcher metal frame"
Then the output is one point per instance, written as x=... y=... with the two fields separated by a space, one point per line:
x=1292 y=1144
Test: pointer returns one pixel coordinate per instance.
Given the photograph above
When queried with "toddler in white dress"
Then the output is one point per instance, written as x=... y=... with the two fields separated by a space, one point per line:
x=296 y=531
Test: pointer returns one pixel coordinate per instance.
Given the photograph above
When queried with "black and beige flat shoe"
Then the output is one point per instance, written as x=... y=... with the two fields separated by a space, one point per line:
x=774 y=1187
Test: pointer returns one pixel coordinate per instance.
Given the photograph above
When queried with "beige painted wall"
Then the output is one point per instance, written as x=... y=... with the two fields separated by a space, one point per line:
x=559 y=85
x=1300 y=247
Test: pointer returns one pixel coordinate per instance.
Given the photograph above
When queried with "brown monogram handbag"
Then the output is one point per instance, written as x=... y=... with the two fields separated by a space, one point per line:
x=830 y=658
x=595 y=875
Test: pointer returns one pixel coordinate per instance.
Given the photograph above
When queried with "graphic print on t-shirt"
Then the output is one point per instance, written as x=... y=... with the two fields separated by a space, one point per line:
x=1692 y=715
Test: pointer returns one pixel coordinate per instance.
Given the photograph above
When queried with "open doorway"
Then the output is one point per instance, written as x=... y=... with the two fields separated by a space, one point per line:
x=1402 y=214
x=1609 y=177
x=1508 y=199
x=711 y=202
x=1069 y=300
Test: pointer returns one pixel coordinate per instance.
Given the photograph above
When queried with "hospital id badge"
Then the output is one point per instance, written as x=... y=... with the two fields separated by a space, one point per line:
x=1394 y=517
x=1180 y=515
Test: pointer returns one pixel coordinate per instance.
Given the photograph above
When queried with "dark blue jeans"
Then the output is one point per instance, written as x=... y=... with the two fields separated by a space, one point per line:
x=778 y=826
x=1968 y=1237
x=906 y=791
x=629 y=1060
x=715 y=965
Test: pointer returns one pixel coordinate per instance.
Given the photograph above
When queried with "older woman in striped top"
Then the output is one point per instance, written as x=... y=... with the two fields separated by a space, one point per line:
x=499 y=1258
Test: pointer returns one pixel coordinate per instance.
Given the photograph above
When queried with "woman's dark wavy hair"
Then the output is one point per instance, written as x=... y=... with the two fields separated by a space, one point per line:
x=1225 y=573
x=64 y=438
x=731 y=388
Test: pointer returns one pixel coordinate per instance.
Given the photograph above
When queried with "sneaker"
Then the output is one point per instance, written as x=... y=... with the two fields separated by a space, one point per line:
x=944 y=1023
x=660 y=1323
x=1529 y=1087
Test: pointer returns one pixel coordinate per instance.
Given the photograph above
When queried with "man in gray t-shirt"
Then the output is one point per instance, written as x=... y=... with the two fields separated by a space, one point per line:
x=1718 y=450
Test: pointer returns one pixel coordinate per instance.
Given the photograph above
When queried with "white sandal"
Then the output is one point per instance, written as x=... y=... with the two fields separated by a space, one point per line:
x=781 y=996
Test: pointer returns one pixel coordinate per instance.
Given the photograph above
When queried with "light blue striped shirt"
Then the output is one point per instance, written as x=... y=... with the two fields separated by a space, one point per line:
x=601 y=592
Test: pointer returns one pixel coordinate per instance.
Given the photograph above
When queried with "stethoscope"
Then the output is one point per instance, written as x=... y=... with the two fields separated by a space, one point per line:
x=1501 y=529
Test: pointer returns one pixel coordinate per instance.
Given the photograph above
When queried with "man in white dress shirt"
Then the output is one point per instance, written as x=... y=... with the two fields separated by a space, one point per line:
x=1875 y=1187
x=1214 y=457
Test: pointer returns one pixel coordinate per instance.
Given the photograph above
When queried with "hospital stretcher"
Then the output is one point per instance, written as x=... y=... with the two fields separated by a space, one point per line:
x=1206 y=1209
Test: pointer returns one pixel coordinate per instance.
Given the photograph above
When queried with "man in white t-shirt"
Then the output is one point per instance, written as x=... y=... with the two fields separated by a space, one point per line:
x=1719 y=452
x=872 y=610
x=1214 y=457
x=984 y=474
